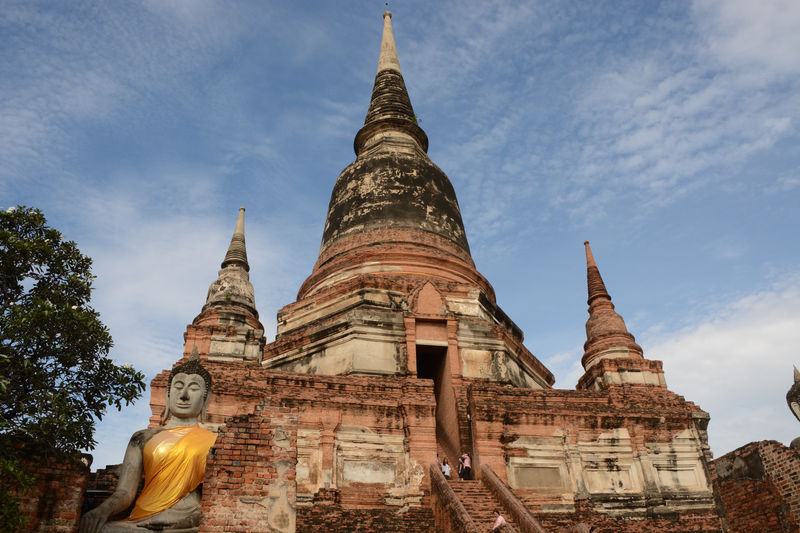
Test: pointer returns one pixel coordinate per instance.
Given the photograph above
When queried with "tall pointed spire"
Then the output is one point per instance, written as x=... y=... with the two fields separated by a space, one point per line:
x=597 y=289
x=232 y=288
x=388 y=59
x=237 y=252
x=392 y=197
x=606 y=334
x=390 y=124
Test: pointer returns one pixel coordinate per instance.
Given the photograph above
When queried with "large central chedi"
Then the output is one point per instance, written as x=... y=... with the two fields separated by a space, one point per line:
x=395 y=290
x=396 y=356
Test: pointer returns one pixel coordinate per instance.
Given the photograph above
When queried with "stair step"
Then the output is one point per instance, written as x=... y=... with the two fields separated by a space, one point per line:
x=479 y=503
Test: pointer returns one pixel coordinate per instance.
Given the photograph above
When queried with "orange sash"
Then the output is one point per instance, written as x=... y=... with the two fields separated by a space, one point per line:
x=174 y=463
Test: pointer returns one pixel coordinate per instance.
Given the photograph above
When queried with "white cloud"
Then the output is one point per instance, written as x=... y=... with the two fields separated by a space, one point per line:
x=86 y=68
x=761 y=37
x=736 y=364
x=728 y=248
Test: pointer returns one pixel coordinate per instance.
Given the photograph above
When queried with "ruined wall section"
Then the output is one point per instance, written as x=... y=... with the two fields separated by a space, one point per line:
x=586 y=516
x=622 y=371
x=629 y=452
x=54 y=503
x=225 y=334
x=250 y=473
x=333 y=518
x=366 y=436
x=759 y=486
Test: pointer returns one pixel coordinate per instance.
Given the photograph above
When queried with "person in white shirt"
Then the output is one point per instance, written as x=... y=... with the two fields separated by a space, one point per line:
x=446 y=469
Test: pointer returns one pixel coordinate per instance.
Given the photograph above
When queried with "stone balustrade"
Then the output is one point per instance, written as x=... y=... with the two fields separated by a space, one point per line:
x=450 y=514
x=520 y=514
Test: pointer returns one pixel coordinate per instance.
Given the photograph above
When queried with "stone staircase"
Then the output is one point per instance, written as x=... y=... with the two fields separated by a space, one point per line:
x=479 y=503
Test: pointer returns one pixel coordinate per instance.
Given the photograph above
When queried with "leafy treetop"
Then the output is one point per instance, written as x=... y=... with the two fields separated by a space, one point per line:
x=56 y=378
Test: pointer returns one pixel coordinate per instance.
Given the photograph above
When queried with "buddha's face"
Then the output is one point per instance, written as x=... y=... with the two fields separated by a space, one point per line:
x=186 y=395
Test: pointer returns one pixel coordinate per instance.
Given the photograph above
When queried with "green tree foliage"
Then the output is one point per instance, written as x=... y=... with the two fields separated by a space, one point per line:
x=56 y=378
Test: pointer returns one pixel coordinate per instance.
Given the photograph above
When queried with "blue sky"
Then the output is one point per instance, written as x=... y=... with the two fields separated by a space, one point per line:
x=664 y=133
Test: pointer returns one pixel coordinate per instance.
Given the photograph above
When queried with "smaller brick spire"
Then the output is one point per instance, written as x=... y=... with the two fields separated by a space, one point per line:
x=227 y=328
x=237 y=252
x=606 y=334
x=232 y=288
x=597 y=289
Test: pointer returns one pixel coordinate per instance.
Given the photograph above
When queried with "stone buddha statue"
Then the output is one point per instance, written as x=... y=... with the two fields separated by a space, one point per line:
x=173 y=459
x=793 y=399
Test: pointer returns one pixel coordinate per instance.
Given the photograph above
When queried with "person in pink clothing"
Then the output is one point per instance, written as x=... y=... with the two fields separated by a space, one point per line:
x=466 y=471
x=499 y=521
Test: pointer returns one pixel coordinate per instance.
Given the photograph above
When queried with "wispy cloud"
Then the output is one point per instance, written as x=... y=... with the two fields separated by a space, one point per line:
x=674 y=121
x=90 y=67
x=566 y=366
x=784 y=184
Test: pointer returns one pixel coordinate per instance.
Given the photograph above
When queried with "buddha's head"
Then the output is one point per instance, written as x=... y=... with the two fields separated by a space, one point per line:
x=793 y=396
x=188 y=390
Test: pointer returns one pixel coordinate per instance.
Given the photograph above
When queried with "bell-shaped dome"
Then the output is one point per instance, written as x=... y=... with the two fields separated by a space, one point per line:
x=392 y=210
x=394 y=190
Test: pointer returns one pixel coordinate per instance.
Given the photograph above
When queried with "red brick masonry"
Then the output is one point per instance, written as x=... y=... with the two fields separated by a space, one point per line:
x=759 y=485
x=250 y=474
x=54 y=504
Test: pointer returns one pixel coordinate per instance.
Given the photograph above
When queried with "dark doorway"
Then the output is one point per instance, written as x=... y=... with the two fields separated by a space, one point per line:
x=432 y=364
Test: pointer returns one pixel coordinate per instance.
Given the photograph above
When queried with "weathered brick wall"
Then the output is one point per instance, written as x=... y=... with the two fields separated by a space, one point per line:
x=101 y=485
x=250 y=475
x=54 y=503
x=105 y=478
x=586 y=440
x=335 y=519
x=759 y=485
x=392 y=417
x=390 y=420
x=585 y=515
x=502 y=415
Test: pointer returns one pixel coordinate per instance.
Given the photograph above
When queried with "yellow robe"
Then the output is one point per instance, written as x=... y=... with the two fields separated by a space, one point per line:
x=174 y=463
